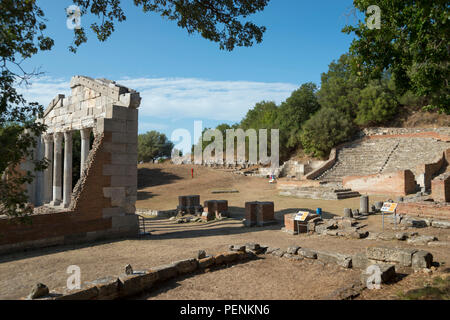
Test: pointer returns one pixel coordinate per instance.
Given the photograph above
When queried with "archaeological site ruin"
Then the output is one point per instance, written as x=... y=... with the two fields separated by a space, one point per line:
x=102 y=203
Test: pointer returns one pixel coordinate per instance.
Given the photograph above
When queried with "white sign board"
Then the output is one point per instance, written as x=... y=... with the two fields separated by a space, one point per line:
x=389 y=207
x=301 y=216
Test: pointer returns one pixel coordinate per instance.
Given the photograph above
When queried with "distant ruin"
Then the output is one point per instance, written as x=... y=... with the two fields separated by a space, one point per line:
x=102 y=204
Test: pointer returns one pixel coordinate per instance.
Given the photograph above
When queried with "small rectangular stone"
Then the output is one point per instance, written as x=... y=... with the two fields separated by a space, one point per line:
x=113 y=212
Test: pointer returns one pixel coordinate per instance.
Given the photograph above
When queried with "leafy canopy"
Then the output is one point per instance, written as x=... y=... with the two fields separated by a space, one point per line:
x=153 y=145
x=221 y=21
x=413 y=43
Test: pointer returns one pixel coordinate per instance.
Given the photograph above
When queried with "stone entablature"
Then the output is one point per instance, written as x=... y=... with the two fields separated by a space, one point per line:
x=91 y=100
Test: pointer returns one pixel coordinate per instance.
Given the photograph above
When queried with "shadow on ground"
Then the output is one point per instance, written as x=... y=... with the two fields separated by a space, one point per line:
x=154 y=177
x=144 y=195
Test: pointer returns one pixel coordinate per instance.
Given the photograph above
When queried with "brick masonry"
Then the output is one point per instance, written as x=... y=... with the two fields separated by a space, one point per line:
x=259 y=213
x=400 y=183
x=440 y=187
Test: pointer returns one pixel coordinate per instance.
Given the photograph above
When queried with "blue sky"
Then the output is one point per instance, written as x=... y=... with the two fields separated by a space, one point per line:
x=184 y=77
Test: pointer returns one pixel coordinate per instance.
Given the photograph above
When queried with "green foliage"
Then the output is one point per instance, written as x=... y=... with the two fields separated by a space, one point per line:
x=220 y=21
x=21 y=36
x=439 y=289
x=263 y=116
x=153 y=145
x=340 y=88
x=376 y=104
x=296 y=110
x=326 y=129
x=412 y=43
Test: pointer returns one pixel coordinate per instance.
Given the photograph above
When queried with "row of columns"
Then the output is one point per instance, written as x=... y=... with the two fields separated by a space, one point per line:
x=58 y=189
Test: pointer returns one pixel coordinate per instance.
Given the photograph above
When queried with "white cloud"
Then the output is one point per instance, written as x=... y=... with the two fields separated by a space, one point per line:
x=178 y=98
x=44 y=89
x=145 y=126
x=204 y=99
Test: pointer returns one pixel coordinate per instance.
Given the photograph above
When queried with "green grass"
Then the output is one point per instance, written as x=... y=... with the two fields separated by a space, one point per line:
x=438 y=289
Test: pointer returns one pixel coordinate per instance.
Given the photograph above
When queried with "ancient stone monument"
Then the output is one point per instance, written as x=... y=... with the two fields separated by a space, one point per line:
x=102 y=204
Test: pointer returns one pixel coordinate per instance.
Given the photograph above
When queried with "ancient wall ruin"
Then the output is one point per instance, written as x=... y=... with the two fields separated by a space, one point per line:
x=102 y=204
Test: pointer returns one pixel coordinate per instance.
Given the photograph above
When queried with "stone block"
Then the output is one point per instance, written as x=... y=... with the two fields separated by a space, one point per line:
x=421 y=240
x=115 y=147
x=348 y=213
x=237 y=248
x=111 y=125
x=386 y=273
x=279 y=253
x=265 y=213
x=360 y=261
x=291 y=226
x=293 y=249
x=108 y=288
x=117 y=195
x=230 y=256
x=206 y=262
x=414 y=223
x=307 y=253
x=219 y=259
x=250 y=213
x=335 y=258
x=133 y=284
x=422 y=259
x=253 y=246
x=123 y=181
x=165 y=272
x=89 y=293
x=441 y=224
x=396 y=255
x=186 y=266
x=131 y=126
x=125 y=221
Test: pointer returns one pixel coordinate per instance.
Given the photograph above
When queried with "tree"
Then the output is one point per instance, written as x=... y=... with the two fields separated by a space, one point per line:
x=376 y=104
x=340 y=87
x=326 y=129
x=295 y=111
x=262 y=116
x=413 y=43
x=219 y=20
x=22 y=27
x=153 y=145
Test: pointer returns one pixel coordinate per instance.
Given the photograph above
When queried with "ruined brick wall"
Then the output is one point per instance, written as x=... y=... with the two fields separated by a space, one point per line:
x=400 y=183
x=440 y=188
x=425 y=209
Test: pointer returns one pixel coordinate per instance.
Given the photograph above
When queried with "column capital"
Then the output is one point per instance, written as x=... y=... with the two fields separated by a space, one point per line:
x=67 y=134
x=85 y=133
x=48 y=137
x=58 y=137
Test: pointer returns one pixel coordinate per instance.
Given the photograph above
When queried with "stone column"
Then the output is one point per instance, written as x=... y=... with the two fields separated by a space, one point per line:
x=48 y=154
x=57 y=166
x=67 y=168
x=85 y=146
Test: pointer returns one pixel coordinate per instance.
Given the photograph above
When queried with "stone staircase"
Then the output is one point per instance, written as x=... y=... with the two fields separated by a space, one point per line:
x=383 y=155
